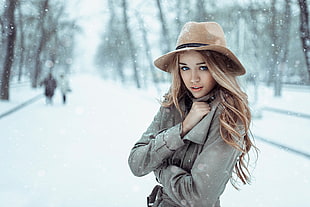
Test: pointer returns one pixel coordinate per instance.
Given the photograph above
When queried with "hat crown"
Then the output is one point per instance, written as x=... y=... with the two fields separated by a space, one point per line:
x=209 y=33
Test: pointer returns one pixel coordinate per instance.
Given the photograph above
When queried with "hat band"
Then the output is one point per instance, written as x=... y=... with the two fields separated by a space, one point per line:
x=191 y=45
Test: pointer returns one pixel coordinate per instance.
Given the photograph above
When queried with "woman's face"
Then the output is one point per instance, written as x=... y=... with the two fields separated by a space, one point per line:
x=195 y=73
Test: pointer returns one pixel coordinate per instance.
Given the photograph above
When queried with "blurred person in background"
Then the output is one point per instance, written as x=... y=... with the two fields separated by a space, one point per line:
x=50 y=85
x=63 y=83
x=200 y=136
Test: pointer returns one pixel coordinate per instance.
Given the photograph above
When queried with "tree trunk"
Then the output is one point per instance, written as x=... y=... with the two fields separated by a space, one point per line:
x=165 y=34
x=9 y=57
x=131 y=45
x=179 y=14
x=283 y=52
x=113 y=18
x=275 y=47
x=305 y=33
x=22 y=44
x=42 y=41
x=148 y=51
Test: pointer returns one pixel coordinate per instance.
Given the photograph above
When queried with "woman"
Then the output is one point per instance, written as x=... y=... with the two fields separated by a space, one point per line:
x=200 y=135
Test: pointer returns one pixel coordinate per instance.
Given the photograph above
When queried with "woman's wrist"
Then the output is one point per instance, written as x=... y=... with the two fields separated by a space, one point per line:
x=184 y=128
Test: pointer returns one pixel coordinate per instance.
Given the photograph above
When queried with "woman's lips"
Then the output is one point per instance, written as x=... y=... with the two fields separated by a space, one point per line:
x=196 y=88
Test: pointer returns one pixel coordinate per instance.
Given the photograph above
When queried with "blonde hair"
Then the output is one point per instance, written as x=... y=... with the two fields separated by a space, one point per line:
x=235 y=117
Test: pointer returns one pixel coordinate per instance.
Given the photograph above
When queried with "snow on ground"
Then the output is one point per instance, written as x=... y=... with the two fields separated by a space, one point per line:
x=75 y=155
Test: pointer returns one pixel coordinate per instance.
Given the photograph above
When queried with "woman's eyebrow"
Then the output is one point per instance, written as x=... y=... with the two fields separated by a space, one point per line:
x=182 y=63
x=202 y=63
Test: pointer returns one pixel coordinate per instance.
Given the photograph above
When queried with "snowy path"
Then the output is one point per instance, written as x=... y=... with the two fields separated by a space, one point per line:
x=76 y=155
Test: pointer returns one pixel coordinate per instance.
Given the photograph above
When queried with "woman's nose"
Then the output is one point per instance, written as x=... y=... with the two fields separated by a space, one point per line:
x=195 y=77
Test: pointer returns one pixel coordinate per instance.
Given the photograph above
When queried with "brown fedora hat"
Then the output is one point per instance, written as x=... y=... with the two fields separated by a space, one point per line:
x=200 y=36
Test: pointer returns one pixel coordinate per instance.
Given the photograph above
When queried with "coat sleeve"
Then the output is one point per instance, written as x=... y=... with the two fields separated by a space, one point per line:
x=155 y=146
x=209 y=175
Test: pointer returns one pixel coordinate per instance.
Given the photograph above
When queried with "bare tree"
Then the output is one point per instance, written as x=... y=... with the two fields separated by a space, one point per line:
x=131 y=43
x=165 y=33
x=54 y=33
x=275 y=45
x=10 y=34
x=37 y=35
x=21 y=42
x=280 y=27
x=42 y=41
x=283 y=47
x=147 y=50
x=115 y=38
x=304 y=32
x=114 y=45
x=179 y=14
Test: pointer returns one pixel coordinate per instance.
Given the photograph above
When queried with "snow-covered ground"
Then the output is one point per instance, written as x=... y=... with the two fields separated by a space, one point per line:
x=75 y=155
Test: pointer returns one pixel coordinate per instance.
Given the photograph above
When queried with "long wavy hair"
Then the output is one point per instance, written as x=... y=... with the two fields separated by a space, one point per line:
x=235 y=118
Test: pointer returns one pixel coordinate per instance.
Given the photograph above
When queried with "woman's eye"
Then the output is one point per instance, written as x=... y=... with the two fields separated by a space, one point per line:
x=184 y=68
x=203 y=68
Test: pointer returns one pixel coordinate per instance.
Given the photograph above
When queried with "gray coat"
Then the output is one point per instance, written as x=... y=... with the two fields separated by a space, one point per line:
x=193 y=169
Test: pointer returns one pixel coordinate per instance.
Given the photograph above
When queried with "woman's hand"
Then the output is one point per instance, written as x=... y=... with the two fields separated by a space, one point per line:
x=197 y=112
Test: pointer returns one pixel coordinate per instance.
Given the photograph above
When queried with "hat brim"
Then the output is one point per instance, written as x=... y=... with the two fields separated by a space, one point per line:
x=163 y=61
